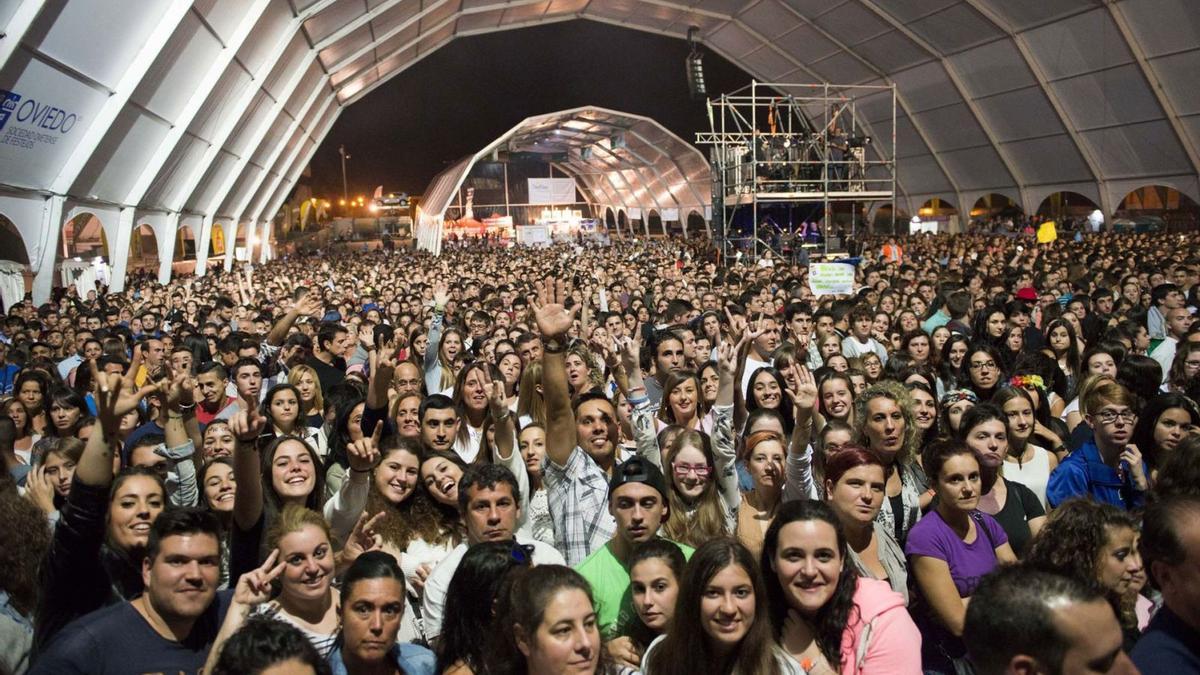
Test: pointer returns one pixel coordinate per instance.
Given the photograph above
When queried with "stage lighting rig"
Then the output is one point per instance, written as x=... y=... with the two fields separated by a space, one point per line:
x=695 y=66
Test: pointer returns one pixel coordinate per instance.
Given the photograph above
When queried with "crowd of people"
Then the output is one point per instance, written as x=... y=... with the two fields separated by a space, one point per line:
x=619 y=459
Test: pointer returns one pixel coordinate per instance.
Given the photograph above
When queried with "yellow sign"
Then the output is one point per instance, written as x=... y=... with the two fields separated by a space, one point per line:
x=1047 y=232
x=218 y=239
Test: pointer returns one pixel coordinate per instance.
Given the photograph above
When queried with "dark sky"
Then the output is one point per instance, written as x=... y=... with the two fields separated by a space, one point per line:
x=472 y=90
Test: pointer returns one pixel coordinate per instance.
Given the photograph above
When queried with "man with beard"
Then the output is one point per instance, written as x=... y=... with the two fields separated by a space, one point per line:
x=167 y=629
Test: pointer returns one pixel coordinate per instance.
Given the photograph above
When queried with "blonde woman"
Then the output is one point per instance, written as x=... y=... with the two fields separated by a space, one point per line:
x=312 y=400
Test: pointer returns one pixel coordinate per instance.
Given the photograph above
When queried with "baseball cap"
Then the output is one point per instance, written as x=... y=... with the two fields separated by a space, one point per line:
x=1027 y=293
x=638 y=470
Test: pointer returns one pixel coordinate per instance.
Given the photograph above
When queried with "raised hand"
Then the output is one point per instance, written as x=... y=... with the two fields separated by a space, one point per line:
x=441 y=294
x=497 y=399
x=106 y=389
x=553 y=318
x=362 y=538
x=737 y=324
x=247 y=424
x=631 y=353
x=366 y=336
x=309 y=304
x=364 y=452
x=254 y=587
x=179 y=388
x=727 y=357
x=39 y=489
x=804 y=396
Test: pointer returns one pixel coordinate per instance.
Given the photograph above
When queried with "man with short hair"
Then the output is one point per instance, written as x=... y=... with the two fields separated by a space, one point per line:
x=637 y=499
x=581 y=441
x=859 y=342
x=1179 y=321
x=329 y=352
x=669 y=356
x=1163 y=297
x=1170 y=547
x=529 y=348
x=490 y=502
x=170 y=627
x=439 y=423
x=71 y=362
x=247 y=382
x=1026 y=621
x=211 y=381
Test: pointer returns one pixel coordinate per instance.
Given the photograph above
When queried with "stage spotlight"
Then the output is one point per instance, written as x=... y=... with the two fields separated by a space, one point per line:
x=695 y=66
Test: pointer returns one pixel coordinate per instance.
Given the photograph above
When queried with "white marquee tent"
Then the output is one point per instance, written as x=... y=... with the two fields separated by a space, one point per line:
x=201 y=114
x=647 y=168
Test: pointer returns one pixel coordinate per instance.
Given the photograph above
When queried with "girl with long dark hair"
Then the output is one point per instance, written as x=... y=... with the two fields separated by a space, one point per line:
x=721 y=623
x=823 y=614
x=469 y=614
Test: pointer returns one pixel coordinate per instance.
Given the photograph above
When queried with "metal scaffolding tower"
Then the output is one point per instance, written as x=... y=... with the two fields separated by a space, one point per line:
x=781 y=148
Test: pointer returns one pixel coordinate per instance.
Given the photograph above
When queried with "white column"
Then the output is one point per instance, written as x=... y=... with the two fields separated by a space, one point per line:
x=47 y=251
x=166 y=247
x=202 y=239
x=119 y=250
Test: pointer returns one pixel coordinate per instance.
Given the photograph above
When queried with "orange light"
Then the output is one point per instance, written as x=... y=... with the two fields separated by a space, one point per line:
x=341 y=202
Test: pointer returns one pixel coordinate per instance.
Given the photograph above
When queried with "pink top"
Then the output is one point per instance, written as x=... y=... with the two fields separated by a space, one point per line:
x=880 y=636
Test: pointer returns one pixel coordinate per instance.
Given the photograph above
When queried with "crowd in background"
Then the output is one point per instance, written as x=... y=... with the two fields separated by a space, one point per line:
x=619 y=459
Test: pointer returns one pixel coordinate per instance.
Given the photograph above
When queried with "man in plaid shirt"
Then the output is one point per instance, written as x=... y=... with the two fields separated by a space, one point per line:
x=580 y=443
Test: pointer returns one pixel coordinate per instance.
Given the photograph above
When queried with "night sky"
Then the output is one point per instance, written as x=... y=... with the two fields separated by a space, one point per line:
x=472 y=90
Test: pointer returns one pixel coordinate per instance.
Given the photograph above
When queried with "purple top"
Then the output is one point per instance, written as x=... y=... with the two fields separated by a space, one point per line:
x=932 y=537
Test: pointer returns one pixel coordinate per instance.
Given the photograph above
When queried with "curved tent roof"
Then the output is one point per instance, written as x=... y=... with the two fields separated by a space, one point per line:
x=209 y=109
x=649 y=168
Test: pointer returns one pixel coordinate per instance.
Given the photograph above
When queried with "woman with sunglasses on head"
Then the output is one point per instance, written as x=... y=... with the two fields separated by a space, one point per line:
x=549 y=625
x=949 y=550
x=469 y=616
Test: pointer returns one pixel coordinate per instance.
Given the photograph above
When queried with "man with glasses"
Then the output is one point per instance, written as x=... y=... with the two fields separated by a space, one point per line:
x=1107 y=468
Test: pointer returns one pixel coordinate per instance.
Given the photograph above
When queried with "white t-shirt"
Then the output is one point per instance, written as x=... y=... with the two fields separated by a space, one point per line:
x=752 y=366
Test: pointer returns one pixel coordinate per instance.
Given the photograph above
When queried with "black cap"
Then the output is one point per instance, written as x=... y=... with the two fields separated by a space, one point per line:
x=638 y=470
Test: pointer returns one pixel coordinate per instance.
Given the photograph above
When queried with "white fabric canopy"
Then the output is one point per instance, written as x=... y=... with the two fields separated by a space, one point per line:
x=212 y=108
x=12 y=283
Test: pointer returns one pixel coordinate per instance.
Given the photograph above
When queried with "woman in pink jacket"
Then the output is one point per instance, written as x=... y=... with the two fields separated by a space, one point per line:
x=827 y=617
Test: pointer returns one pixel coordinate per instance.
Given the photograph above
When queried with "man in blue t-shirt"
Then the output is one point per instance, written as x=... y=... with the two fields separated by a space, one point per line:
x=171 y=626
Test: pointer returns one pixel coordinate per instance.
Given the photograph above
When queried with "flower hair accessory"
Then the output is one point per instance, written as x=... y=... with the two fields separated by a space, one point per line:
x=1024 y=381
x=958 y=395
